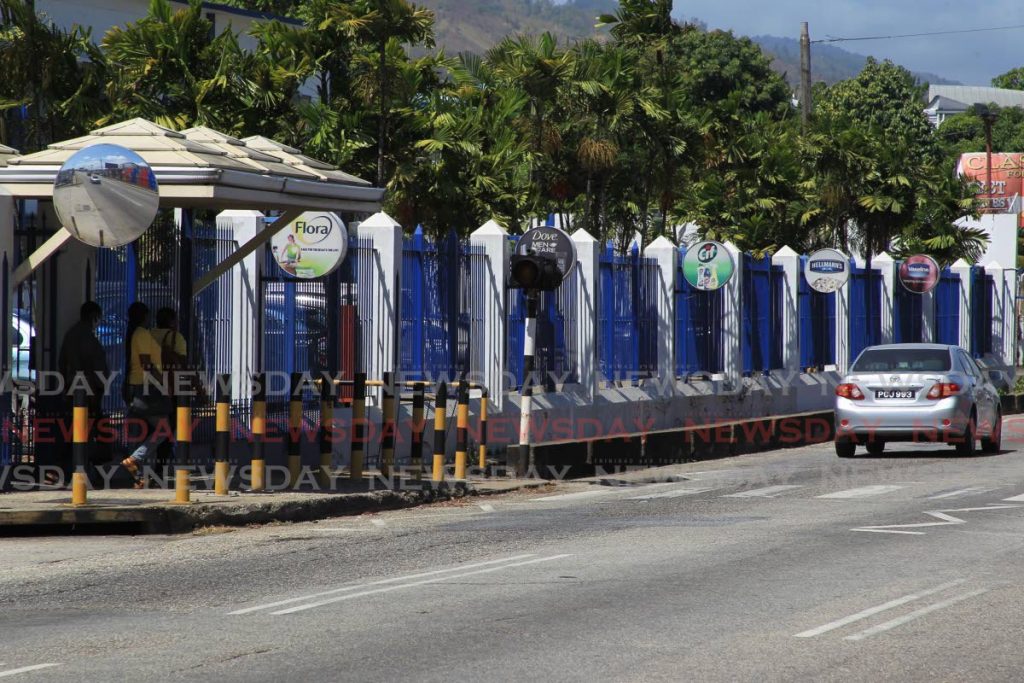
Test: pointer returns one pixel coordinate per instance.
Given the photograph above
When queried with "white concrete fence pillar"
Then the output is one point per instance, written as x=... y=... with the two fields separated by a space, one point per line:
x=790 y=322
x=585 y=280
x=380 y=338
x=489 y=276
x=665 y=253
x=245 y=296
x=963 y=269
x=732 y=321
x=842 y=360
x=886 y=266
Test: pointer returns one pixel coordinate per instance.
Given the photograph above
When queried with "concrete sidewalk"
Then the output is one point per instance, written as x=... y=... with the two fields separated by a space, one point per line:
x=153 y=510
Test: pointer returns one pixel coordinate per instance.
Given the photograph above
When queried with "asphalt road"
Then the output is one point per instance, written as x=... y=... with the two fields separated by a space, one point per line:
x=791 y=565
x=112 y=211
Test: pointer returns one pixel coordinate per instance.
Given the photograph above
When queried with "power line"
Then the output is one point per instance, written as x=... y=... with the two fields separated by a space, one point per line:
x=919 y=35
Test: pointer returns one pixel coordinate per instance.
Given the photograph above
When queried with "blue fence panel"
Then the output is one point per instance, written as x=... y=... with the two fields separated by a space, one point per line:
x=908 y=315
x=947 y=308
x=699 y=314
x=762 y=308
x=434 y=307
x=627 y=315
x=865 y=309
x=817 y=324
x=982 y=287
x=551 y=358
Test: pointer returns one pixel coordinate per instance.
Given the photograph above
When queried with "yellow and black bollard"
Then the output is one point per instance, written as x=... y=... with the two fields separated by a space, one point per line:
x=222 y=443
x=258 y=426
x=358 y=426
x=325 y=435
x=295 y=387
x=80 y=448
x=483 y=431
x=418 y=425
x=183 y=437
x=461 y=430
x=440 y=408
x=387 y=440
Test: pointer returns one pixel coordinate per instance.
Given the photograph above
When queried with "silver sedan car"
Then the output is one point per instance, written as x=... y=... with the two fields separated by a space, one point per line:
x=917 y=392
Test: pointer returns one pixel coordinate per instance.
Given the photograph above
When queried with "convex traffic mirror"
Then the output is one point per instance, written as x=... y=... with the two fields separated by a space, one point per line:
x=106 y=195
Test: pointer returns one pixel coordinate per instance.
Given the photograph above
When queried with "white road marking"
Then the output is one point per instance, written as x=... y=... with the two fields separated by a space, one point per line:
x=959 y=492
x=576 y=496
x=672 y=494
x=388 y=589
x=945 y=520
x=1015 y=499
x=871 y=611
x=381 y=582
x=378 y=522
x=337 y=528
x=916 y=614
x=487 y=507
x=863 y=491
x=766 y=492
x=26 y=669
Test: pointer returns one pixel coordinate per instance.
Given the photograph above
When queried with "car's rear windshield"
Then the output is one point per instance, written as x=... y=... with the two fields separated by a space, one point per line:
x=905 y=360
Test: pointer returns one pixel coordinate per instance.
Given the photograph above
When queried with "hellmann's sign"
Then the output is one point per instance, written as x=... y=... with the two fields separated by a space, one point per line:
x=1002 y=192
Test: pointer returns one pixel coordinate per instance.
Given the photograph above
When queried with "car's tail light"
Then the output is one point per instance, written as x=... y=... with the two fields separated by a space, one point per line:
x=943 y=390
x=850 y=391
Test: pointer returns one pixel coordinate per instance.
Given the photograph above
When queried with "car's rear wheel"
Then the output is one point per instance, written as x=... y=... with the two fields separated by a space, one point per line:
x=994 y=442
x=965 y=446
x=876 y=448
x=845 y=448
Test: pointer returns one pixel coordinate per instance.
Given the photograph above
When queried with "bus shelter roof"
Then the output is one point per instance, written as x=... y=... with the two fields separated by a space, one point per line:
x=203 y=168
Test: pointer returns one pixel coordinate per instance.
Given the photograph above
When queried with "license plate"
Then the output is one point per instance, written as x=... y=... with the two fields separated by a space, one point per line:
x=895 y=393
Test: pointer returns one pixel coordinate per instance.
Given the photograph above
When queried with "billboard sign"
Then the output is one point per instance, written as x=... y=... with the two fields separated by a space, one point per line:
x=1001 y=193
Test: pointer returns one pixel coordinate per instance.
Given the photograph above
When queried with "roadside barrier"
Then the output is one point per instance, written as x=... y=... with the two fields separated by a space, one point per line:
x=80 y=448
x=327 y=397
x=222 y=438
x=358 y=426
x=294 y=444
x=258 y=427
x=387 y=443
x=183 y=437
x=461 y=430
x=440 y=408
x=483 y=431
x=417 y=428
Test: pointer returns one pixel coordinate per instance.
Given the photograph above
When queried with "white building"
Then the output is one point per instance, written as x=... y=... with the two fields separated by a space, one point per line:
x=948 y=100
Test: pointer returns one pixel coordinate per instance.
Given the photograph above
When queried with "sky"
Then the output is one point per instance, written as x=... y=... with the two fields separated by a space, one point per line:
x=972 y=59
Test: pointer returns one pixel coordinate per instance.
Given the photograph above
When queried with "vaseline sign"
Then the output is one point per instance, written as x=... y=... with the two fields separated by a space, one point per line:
x=312 y=245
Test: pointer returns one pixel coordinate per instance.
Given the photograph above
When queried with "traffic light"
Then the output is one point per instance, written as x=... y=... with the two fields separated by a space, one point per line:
x=535 y=271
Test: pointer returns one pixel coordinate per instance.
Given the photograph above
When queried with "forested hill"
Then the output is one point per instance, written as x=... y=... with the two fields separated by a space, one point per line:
x=476 y=25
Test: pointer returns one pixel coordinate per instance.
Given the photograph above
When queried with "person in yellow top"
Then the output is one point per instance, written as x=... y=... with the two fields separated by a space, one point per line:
x=142 y=395
x=172 y=344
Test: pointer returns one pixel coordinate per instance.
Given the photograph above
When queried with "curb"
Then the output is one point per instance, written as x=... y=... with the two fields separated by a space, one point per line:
x=177 y=519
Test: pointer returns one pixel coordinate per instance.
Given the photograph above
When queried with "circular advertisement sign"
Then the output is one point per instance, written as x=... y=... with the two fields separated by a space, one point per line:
x=106 y=195
x=919 y=273
x=548 y=240
x=708 y=265
x=827 y=270
x=311 y=246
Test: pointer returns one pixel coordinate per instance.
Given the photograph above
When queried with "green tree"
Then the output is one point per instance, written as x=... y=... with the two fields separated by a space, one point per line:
x=1012 y=79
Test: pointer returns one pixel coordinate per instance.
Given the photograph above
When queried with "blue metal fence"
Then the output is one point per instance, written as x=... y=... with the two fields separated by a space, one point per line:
x=817 y=324
x=982 y=287
x=947 y=308
x=762 y=312
x=865 y=309
x=627 y=315
x=435 y=307
x=698 y=326
x=908 y=315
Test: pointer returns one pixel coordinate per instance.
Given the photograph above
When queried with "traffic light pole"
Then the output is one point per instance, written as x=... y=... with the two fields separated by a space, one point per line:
x=520 y=456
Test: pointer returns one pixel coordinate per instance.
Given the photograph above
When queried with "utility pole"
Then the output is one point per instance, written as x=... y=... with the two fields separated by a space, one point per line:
x=805 y=76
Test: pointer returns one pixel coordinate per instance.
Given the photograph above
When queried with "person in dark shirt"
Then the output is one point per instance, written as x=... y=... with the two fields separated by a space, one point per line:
x=81 y=351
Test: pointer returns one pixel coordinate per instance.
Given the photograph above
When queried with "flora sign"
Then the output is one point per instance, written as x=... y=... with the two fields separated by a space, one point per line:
x=312 y=245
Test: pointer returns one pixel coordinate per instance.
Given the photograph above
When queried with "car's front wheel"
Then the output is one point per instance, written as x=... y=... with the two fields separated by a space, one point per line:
x=845 y=448
x=993 y=443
